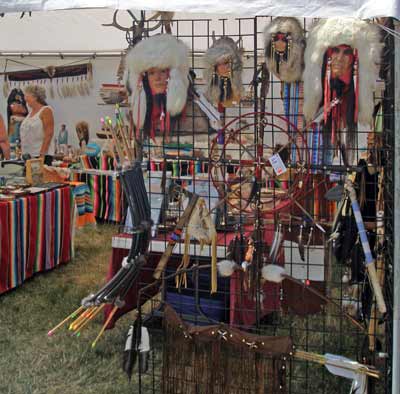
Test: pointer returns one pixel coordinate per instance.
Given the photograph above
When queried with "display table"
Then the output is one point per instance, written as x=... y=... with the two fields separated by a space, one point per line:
x=35 y=235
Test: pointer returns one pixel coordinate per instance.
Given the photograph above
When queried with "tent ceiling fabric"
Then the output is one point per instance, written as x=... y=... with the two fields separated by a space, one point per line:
x=307 y=8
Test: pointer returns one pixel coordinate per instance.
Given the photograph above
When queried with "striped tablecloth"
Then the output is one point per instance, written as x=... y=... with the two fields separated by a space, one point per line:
x=35 y=235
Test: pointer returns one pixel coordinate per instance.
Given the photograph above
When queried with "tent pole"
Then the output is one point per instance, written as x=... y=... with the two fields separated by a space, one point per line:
x=396 y=256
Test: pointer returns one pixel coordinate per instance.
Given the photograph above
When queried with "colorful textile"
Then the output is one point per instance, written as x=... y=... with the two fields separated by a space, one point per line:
x=36 y=235
x=293 y=106
x=105 y=190
x=84 y=204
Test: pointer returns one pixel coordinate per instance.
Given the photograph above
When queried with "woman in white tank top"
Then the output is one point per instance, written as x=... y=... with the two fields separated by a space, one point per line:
x=37 y=129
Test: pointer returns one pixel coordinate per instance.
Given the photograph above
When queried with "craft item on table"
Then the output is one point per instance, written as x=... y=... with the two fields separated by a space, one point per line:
x=223 y=67
x=347 y=53
x=55 y=174
x=157 y=77
x=34 y=171
x=220 y=358
x=62 y=138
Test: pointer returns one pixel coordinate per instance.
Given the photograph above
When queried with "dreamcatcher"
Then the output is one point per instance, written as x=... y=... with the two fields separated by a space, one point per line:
x=257 y=169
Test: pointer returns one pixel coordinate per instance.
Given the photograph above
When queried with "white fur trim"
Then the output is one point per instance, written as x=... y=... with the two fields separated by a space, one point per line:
x=224 y=47
x=177 y=91
x=161 y=51
x=226 y=267
x=292 y=70
x=333 y=32
x=273 y=273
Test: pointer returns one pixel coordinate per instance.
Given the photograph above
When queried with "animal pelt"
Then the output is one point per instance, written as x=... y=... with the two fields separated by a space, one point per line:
x=292 y=69
x=220 y=359
x=225 y=48
x=161 y=51
x=360 y=35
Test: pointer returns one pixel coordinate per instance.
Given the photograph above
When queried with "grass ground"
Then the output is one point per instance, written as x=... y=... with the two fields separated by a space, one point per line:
x=32 y=363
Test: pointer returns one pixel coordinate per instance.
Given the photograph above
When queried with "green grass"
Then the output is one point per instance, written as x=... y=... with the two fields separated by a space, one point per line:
x=31 y=362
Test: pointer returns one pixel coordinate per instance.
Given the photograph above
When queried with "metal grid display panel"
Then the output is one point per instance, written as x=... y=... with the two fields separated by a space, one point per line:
x=328 y=331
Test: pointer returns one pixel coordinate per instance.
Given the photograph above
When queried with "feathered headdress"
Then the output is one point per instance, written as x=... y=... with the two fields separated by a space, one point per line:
x=365 y=40
x=161 y=51
x=288 y=65
x=224 y=90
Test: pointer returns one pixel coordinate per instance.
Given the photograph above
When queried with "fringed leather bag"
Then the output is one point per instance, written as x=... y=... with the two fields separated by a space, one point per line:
x=220 y=359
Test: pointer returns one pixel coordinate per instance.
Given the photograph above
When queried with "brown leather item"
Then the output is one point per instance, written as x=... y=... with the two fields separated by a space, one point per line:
x=220 y=359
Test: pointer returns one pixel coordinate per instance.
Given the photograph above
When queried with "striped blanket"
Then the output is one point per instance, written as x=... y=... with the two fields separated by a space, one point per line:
x=35 y=235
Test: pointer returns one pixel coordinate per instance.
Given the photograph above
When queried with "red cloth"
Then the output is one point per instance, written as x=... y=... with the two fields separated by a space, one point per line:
x=5 y=247
x=66 y=238
x=145 y=277
x=242 y=302
x=32 y=235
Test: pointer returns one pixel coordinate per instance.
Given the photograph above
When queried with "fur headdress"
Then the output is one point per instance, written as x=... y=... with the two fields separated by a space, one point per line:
x=287 y=67
x=360 y=35
x=162 y=51
x=223 y=49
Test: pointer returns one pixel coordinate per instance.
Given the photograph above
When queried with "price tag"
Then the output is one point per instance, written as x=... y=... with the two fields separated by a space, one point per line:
x=277 y=164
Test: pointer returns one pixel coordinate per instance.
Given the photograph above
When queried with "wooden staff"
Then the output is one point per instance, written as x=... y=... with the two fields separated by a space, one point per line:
x=369 y=260
x=380 y=263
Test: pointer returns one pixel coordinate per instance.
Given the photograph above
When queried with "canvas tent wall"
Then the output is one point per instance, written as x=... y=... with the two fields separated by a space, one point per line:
x=313 y=9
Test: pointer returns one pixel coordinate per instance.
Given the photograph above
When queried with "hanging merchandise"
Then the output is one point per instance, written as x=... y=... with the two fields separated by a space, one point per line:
x=157 y=77
x=65 y=80
x=346 y=53
x=162 y=109
x=222 y=72
x=220 y=358
x=284 y=44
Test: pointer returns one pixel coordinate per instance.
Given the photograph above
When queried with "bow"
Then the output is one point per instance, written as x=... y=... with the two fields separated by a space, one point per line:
x=115 y=291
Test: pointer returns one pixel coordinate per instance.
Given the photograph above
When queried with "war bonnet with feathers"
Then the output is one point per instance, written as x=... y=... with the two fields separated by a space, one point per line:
x=222 y=50
x=288 y=67
x=161 y=51
x=358 y=34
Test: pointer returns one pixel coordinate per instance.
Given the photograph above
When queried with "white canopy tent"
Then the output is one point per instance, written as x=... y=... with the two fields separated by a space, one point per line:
x=312 y=8
x=80 y=31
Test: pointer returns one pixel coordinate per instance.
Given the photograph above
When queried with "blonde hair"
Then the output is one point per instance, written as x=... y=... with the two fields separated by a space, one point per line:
x=37 y=91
